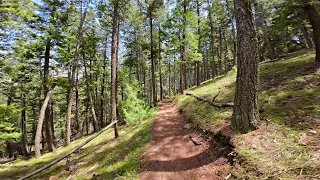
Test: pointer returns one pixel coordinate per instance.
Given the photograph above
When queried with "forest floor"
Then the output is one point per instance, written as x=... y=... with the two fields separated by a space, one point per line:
x=288 y=146
x=178 y=152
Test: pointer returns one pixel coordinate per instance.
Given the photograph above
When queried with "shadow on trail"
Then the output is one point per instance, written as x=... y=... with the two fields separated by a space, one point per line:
x=210 y=155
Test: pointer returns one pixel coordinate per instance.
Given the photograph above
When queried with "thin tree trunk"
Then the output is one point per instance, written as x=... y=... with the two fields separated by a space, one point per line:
x=94 y=116
x=48 y=122
x=153 y=79
x=77 y=102
x=199 y=44
x=183 y=74
x=42 y=115
x=261 y=23
x=160 y=67
x=174 y=76
x=234 y=36
x=114 y=57
x=102 y=100
x=245 y=112
x=73 y=72
x=212 y=40
x=24 y=141
x=169 y=76
x=220 y=51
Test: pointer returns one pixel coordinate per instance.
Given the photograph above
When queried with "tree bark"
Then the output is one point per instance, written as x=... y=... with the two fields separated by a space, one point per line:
x=245 y=112
x=48 y=126
x=73 y=72
x=153 y=79
x=212 y=40
x=38 y=135
x=160 y=67
x=77 y=117
x=199 y=45
x=183 y=74
x=94 y=116
x=220 y=51
x=114 y=57
x=262 y=24
x=24 y=141
x=234 y=35
x=102 y=100
x=314 y=19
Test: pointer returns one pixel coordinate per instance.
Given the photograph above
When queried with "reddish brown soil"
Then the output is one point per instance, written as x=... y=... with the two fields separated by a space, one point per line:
x=172 y=154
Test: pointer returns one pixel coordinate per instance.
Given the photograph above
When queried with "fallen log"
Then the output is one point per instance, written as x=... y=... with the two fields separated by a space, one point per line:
x=220 y=105
x=68 y=154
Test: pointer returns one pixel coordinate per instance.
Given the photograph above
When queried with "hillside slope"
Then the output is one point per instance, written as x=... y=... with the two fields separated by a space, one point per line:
x=102 y=158
x=289 y=95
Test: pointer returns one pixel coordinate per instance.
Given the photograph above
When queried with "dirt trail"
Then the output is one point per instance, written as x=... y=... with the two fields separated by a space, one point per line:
x=172 y=154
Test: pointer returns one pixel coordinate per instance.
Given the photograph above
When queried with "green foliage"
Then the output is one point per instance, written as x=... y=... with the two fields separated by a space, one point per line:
x=134 y=108
x=8 y=117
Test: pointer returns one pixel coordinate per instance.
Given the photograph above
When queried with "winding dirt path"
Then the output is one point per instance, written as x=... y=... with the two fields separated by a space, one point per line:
x=172 y=154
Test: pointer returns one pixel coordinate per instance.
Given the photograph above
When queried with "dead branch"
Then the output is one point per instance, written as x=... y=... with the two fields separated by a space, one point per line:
x=220 y=105
x=214 y=98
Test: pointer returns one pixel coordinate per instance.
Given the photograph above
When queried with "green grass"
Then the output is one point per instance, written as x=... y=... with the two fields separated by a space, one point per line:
x=289 y=95
x=104 y=157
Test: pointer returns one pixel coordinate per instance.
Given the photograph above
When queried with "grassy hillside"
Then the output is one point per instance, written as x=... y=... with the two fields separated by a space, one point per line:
x=102 y=158
x=289 y=96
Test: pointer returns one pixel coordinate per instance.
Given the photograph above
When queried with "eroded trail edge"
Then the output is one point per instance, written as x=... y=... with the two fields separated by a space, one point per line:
x=173 y=153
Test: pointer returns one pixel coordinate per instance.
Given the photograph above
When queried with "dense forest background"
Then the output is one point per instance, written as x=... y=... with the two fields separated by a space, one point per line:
x=92 y=62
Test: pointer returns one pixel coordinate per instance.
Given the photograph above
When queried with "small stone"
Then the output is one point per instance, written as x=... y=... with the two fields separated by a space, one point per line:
x=187 y=126
x=312 y=132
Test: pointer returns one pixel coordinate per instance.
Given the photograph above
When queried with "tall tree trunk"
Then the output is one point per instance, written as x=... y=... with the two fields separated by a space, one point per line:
x=94 y=116
x=160 y=67
x=199 y=44
x=234 y=36
x=174 y=76
x=183 y=73
x=245 y=112
x=226 y=59
x=8 y=144
x=153 y=79
x=77 y=103
x=314 y=19
x=73 y=73
x=114 y=57
x=52 y=118
x=48 y=122
x=43 y=108
x=261 y=23
x=102 y=100
x=220 y=51
x=169 y=76
x=212 y=40
x=24 y=141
